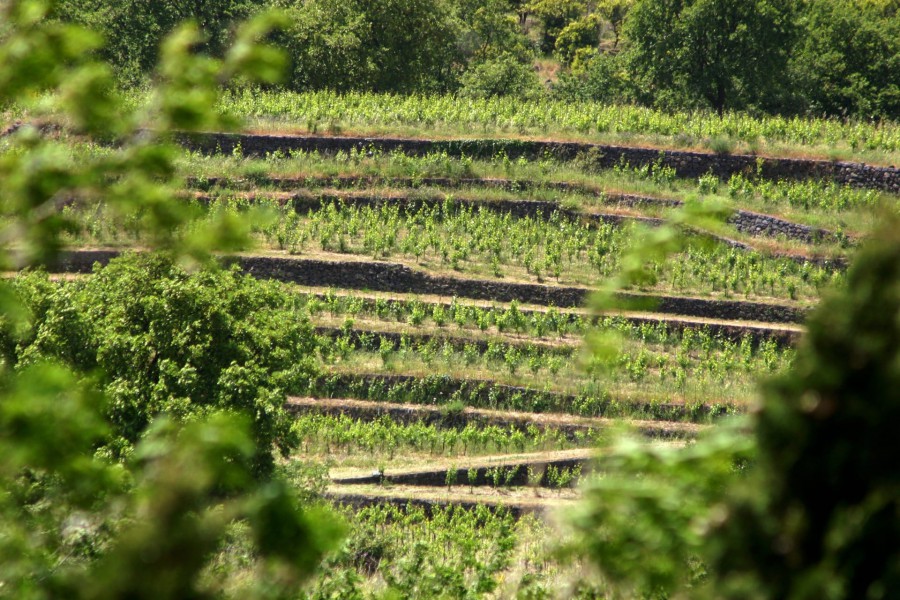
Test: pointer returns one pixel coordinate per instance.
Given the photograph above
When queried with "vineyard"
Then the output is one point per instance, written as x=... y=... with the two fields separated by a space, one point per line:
x=387 y=299
x=379 y=114
x=458 y=382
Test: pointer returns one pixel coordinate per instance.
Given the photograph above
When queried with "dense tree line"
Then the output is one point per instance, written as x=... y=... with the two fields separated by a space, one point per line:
x=820 y=57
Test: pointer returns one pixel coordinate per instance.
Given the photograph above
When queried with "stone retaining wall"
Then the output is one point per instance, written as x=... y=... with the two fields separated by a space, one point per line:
x=686 y=164
x=392 y=277
x=488 y=394
x=757 y=224
x=751 y=223
x=517 y=474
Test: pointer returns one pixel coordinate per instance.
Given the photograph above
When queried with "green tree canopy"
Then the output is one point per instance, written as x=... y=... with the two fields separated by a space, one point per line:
x=848 y=59
x=555 y=15
x=133 y=30
x=722 y=54
x=380 y=45
x=166 y=342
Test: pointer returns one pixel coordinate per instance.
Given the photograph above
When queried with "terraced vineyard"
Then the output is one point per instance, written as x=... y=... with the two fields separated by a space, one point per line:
x=450 y=299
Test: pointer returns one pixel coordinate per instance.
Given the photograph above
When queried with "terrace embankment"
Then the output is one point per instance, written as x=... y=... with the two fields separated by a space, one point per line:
x=379 y=337
x=393 y=277
x=431 y=414
x=756 y=223
x=751 y=223
x=782 y=334
x=686 y=164
x=510 y=471
x=486 y=393
x=376 y=335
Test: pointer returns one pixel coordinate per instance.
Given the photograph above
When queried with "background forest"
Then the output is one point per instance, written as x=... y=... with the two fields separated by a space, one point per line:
x=836 y=58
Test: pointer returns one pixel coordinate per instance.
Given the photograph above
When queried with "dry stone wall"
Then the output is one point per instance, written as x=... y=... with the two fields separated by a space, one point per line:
x=686 y=164
x=479 y=393
x=392 y=277
x=751 y=223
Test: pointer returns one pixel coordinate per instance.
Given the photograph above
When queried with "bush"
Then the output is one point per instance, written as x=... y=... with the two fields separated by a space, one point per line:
x=601 y=79
x=805 y=504
x=578 y=35
x=166 y=342
x=502 y=76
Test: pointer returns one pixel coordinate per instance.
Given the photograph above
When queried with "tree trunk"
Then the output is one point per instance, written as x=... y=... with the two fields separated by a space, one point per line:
x=719 y=102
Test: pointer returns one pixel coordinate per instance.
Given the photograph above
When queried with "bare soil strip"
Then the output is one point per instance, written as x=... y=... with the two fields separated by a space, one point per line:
x=436 y=415
x=685 y=163
x=398 y=277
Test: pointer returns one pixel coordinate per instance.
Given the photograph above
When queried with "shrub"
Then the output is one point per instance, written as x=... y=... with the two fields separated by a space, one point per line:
x=501 y=76
x=168 y=342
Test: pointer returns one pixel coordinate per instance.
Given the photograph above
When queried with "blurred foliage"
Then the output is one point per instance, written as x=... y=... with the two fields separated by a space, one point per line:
x=73 y=522
x=802 y=500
